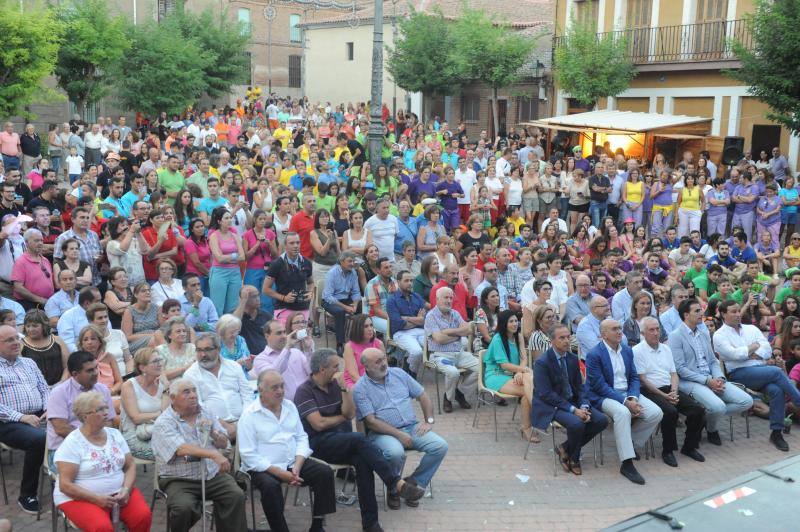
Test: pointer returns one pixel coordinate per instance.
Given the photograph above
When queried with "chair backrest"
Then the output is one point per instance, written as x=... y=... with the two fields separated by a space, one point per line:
x=481 y=369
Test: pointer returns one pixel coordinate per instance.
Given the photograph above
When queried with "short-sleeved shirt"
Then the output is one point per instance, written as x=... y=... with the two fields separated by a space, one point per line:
x=390 y=400
x=303 y=224
x=702 y=282
x=170 y=431
x=655 y=364
x=288 y=276
x=436 y=321
x=383 y=234
x=36 y=276
x=310 y=398
x=59 y=406
x=207 y=205
x=170 y=181
x=784 y=293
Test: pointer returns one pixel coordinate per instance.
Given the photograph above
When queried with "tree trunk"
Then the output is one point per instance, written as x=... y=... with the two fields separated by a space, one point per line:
x=80 y=108
x=495 y=118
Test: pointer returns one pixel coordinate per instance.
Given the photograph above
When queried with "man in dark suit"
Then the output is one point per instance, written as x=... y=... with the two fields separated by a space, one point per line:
x=612 y=385
x=557 y=396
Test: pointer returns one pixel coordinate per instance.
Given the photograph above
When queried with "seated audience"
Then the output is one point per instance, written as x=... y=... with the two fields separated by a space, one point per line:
x=253 y=318
x=201 y=314
x=177 y=353
x=74 y=320
x=144 y=397
x=362 y=336
x=281 y=355
x=341 y=294
x=63 y=300
x=140 y=320
x=406 y=310
x=43 y=347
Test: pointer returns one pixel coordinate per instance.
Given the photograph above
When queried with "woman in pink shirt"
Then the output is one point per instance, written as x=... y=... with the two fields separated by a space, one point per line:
x=198 y=253
x=362 y=336
x=260 y=248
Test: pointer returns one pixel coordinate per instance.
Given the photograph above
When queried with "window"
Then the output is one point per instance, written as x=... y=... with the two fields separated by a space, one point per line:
x=528 y=109
x=294 y=31
x=245 y=26
x=294 y=71
x=349 y=47
x=638 y=22
x=471 y=108
x=586 y=12
x=249 y=65
x=166 y=7
x=90 y=116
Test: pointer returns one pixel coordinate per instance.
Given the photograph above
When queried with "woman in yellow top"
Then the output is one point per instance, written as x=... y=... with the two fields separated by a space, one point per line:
x=791 y=253
x=632 y=197
x=690 y=202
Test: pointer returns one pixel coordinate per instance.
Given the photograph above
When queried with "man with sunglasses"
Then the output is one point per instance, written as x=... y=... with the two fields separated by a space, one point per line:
x=32 y=274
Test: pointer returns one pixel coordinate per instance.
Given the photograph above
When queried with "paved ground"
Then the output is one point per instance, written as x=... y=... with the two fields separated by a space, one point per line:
x=477 y=486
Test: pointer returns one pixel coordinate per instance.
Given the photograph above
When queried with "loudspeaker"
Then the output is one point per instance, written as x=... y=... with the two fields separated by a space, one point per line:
x=732 y=150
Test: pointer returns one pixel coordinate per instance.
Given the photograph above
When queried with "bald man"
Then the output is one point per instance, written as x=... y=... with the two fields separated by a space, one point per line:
x=578 y=303
x=612 y=385
x=444 y=328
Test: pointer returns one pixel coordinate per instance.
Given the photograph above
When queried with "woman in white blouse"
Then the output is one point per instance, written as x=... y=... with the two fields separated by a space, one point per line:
x=167 y=287
x=96 y=472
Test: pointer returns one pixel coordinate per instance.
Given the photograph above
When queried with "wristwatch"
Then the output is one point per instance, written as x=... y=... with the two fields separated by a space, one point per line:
x=430 y=421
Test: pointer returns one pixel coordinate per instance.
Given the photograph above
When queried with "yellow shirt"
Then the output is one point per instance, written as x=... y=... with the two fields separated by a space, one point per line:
x=690 y=199
x=283 y=135
x=418 y=209
x=634 y=191
x=517 y=224
x=286 y=175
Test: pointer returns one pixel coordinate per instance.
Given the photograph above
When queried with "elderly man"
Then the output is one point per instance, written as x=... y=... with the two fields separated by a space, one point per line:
x=579 y=302
x=61 y=420
x=558 y=396
x=341 y=294
x=23 y=399
x=613 y=386
x=459 y=290
x=253 y=318
x=509 y=278
x=187 y=440
x=588 y=330
x=222 y=387
x=274 y=450
x=383 y=404
x=326 y=407
x=281 y=355
x=444 y=328
x=32 y=274
x=63 y=300
x=621 y=304
x=377 y=293
x=72 y=321
x=699 y=371
x=748 y=359
x=659 y=382
x=407 y=311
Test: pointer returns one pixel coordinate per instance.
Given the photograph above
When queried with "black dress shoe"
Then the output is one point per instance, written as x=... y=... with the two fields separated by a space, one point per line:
x=628 y=470
x=713 y=438
x=447 y=406
x=669 y=459
x=501 y=402
x=393 y=501
x=374 y=527
x=462 y=401
x=694 y=454
x=777 y=440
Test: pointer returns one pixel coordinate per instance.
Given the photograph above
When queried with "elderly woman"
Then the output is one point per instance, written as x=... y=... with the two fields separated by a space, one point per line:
x=71 y=261
x=116 y=343
x=170 y=309
x=96 y=472
x=44 y=348
x=177 y=353
x=143 y=399
x=167 y=287
x=232 y=346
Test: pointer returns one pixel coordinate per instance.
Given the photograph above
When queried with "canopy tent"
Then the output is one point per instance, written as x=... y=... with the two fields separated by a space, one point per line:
x=627 y=130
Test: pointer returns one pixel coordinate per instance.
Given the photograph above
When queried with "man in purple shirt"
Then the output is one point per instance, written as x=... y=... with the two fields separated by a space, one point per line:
x=734 y=180
x=580 y=162
x=422 y=183
x=82 y=367
x=778 y=165
x=449 y=191
x=745 y=197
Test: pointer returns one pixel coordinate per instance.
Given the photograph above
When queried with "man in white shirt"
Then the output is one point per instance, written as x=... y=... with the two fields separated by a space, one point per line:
x=502 y=167
x=659 y=383
x=554 y=219
x=466 y=177
x=621 y=304
x=222 y=387
x=384 y=228
x=748 y=359
x=274 y=447
x=612 y=385
x=71 y=323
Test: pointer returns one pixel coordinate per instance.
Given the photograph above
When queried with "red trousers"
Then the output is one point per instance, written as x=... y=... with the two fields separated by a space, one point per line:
x=89 y=517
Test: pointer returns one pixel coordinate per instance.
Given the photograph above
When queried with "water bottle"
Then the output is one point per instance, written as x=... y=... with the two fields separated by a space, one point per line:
x=115 y=516
x=234 y=256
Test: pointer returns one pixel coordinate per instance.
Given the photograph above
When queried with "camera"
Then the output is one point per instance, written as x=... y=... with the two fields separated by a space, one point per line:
x=302 y=334
x=299 y=296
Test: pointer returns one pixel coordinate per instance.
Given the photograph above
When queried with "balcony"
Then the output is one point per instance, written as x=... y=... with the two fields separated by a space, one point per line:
x=686 y=47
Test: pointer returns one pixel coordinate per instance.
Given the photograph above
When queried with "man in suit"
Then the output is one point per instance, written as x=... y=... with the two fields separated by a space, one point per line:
x=699 y=371
x=612 y=385
x=558 y=396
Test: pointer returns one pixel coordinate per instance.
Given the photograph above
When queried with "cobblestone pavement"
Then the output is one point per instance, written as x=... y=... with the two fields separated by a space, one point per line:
x=477 y=487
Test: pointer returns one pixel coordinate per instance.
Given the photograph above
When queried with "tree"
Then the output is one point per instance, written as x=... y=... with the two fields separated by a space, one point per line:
x=94 y=42
x=590 y=67
x=416 y=62
x=27 y=56
x=770 y=65
x=163 y=71
x=224 y=43
x=488 y=51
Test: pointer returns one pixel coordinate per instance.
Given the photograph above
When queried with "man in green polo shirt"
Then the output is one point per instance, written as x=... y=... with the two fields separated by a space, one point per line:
x=170 y=177
x=705 y=285
x=792 y=290
x=724 y=289
x=697 y=268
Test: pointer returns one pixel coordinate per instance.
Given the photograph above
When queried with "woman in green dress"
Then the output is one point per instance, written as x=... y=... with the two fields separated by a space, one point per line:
x=506 y=367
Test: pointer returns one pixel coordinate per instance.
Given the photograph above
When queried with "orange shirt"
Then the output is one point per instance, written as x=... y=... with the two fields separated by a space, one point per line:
x=222 y=131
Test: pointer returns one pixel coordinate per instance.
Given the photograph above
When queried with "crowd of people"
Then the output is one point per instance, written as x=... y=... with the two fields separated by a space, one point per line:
x=164 y=287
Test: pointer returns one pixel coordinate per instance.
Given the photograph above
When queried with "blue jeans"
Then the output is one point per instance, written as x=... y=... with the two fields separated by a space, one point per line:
x=24 y=437
x=10 y=162
x=597 y=210
x=773 y=382
x=224 y=284
x=431 y=444
x=255 y=277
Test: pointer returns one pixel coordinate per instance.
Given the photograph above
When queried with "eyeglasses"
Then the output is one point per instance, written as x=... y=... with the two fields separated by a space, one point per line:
x=489 y=270
x=44 y=270
x=205 y=349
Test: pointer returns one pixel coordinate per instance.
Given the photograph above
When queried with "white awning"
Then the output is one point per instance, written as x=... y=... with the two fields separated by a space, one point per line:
x=616 y=122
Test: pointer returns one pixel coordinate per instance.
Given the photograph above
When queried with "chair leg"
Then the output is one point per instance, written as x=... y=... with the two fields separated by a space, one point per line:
x=438 y=395
x=494 y=411
x=555 y=454
x=528 y=447
x=731 y=427
x=54 y=513
x=41 y=492
x=385 y=496
x=602 y=456
x=514 y=413
x=3 y=477
x=594 y=450
x=253 y=505
x=747 y=424
x=477 y=407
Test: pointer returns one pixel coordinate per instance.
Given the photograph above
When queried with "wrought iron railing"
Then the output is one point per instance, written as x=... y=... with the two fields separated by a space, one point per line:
x=708 y=41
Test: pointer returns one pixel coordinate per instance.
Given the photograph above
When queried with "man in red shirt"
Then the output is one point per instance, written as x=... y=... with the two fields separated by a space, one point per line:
x=485 y=255
x=303 y=223
x=460 y=294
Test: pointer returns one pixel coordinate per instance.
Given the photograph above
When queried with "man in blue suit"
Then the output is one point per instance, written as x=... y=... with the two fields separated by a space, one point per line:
x=612 y=385
x=557 y=395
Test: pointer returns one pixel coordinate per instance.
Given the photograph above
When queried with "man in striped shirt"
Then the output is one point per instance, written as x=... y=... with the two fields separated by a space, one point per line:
x=23 y=397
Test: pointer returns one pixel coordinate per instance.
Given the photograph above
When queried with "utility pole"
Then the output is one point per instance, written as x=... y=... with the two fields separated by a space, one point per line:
x=375 y=135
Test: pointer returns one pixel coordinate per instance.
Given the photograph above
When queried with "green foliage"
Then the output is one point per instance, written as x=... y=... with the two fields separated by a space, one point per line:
x=163 y=70
x=418 y=62
x=224 y=44
x=589 y=68
x=94 y=41
x=488 y=50
x=27 y=56
x=771 y=65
